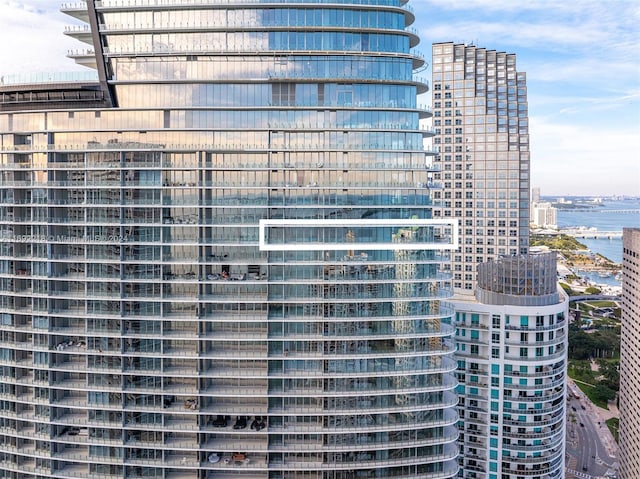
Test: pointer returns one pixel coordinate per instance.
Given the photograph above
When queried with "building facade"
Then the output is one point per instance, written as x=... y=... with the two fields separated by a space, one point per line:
x=512 y=359
x=543 y=215
x=480 y=118
x=629 y=439
x=510 y=318
x=219 y=260
x=535 y=195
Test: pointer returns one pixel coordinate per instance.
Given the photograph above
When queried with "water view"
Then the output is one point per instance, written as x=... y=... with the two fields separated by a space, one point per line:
x=611 y=215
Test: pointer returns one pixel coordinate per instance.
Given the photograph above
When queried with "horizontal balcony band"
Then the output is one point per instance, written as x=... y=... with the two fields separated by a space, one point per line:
x=60 y=336
x=163 y=4
x=550 y=462
x=546 y=396
x=402 y=242
x=545 y=422
x=184 y=393
x=544 y=386
x=533 y=435
x=192 y=148
x=547 y=372
x=348 y=274
x=227 y=436
x=217 y=392
x=381 y=267
x=76 y=359
x=242 y=297
x=116 y=167
x=535 y=412
x=517 y=359
x=246 y=372
x=543 y=359
x=525 y=329
x=250 y=443
x=235 y=26
x=560 y=339
x=139 y=332
x=52 y=187
x=259 y=344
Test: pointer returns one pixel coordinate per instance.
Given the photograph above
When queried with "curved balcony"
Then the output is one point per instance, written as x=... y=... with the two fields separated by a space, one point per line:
x=543 y=359
x=525 y=328
x=547 y=370
x=551 y=443
x=544 y=466
x=143 y=311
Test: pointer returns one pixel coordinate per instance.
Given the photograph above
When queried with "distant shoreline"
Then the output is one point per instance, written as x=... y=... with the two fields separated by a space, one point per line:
x=574 y=206
x=577 y=258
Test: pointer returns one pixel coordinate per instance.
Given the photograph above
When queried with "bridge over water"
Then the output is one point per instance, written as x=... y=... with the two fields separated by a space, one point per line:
x=593 y=210
x=591 y=234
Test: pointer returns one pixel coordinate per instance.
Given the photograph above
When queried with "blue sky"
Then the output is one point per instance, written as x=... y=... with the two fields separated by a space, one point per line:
x=581 y=59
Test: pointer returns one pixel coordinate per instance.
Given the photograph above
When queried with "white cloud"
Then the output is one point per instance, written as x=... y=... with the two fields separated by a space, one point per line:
x=580 y=58
x=557 y=104
x=589 y=30
x=583 y=82
x=32 y=38
x=584 y=159
x=607 y=73
x=484 y=5
x=517 y=33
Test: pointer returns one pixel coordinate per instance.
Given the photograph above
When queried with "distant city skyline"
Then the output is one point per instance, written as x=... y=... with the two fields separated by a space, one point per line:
x=587 y=197
x=583 y=78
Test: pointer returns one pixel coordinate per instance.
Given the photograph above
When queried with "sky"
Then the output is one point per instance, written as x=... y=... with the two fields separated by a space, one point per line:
x=580 y=56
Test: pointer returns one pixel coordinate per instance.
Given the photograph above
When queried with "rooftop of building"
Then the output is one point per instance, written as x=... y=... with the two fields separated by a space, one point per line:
x=519 y=280
x=51 y=91
x=471 y=45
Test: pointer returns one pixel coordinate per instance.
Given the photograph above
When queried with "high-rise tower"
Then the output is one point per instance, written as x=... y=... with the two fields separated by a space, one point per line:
x=510 y=318
x=512 y=359
x=482 y=132
x=630 y=355
x=219 y=260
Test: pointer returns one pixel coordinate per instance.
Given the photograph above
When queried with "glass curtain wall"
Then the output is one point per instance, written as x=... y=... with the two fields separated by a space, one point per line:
x=160 y=321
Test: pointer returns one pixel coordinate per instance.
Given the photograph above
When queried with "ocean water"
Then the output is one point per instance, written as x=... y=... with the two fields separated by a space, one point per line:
x=604 y=217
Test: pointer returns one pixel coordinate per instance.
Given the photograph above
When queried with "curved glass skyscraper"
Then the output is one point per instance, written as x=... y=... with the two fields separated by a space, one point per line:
x=218 y=261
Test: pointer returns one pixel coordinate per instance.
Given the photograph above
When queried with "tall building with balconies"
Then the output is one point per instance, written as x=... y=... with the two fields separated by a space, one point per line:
x=630 y=355
x=512 y=359
x=510 y=318
x=218 y=259
x=480 y=117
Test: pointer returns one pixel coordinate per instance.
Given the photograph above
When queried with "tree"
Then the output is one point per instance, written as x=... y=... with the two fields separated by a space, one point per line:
x=609 y=370
x=603 y=393
x=581 y=345
x=600 y=344
x=567 y=289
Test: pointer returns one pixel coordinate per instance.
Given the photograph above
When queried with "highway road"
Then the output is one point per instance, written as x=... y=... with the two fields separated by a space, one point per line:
x=587 y=455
